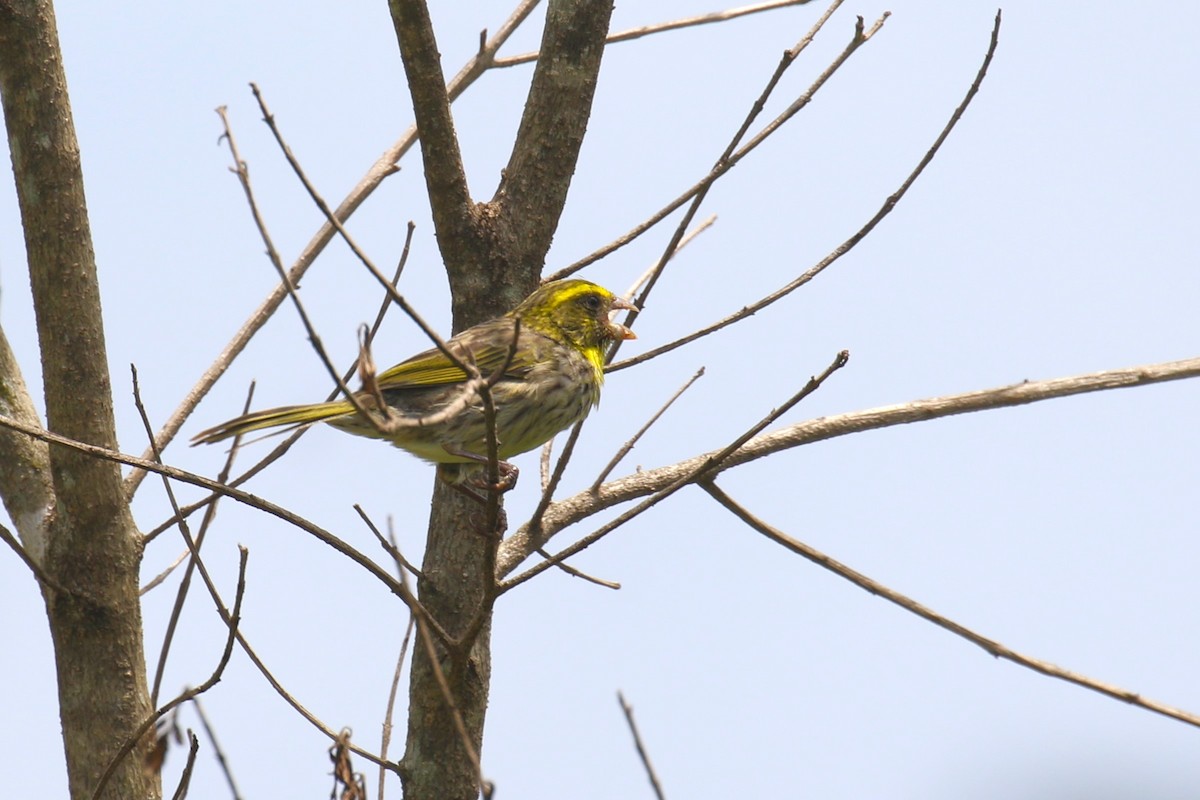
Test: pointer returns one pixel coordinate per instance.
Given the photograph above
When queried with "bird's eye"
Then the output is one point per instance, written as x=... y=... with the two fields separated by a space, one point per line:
x=591 y=302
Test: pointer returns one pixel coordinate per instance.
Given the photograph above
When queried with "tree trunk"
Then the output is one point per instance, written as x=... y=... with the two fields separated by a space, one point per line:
x=494 y=253
x=92 y=550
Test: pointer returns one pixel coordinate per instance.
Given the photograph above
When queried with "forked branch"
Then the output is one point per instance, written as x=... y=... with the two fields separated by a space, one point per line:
x=571 y=510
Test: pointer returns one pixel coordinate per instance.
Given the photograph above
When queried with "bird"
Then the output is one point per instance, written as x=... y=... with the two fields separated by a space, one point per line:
x=544 y=382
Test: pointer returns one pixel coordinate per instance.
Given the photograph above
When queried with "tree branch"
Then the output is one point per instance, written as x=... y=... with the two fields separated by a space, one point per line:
x=215 y=487
x=860 y=37
x=845 y=247
x=25 y=482
x=990 y=646
x=709 y=465
x=630 y=34
x=92 y=547
x=445 y=180
x=571 y=510
x=384 y=166
x=533 y=189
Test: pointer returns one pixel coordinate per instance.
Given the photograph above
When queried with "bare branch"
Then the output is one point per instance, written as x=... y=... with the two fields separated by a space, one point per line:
x=405 y=594
x=684 y=242
x=567 y=512
x=445 y=180
x=213 y=486
x=662 y=27
x=242 y=170
x=304 y=712
x=161 y=577
x=209 y=515
x=888 y=205
x=549 y=486
x=386 y=303
x=231 y=620
x=384 y=166
x=641 y=748
x=185 y=779
x=388 y=544
x=533 y=186
x=991 y=646
x=39 y=574
x=386 y=738
x=217 y=749
x=786 y=61
x=725 y=164
x=625 y=448
x=25 y=481
x=578 y=573
x=331 y=218
x=708 y=465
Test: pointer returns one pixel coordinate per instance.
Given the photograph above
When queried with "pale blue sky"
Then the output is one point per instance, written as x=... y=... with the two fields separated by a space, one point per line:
x=1052 y=236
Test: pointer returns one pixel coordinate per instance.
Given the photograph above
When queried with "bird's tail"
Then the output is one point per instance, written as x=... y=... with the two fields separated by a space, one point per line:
x=293 y=416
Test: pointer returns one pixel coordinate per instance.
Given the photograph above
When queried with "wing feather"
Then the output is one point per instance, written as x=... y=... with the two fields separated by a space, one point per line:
x=487 y=344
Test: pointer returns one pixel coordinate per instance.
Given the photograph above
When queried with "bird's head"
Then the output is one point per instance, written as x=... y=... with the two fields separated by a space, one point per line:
x=575 y=312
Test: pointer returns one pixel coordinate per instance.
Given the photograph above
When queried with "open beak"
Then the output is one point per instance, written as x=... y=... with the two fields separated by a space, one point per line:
x=618 y=330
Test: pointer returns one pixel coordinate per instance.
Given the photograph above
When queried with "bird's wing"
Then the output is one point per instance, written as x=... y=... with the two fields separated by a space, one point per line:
x=487 y=344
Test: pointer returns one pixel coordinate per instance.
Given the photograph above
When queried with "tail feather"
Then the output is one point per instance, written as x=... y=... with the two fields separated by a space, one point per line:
x=273 y=418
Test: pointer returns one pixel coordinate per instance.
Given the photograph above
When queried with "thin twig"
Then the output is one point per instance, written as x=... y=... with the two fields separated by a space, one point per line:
x=286 y=445
x=39 y=574
x=560 y=466
x=203 y=482
x=641 y=748
x=726 y=164
x=571 y=510
x=684 y=242
x=393 y=691
x=217 y=749
x=662 y=27
x=387 y=424
x=333 y=220
x=209 y=515
x=705 y=467
x=888 y=205
x=990 y=646
x=789 y=57
x=423 y=619
x=231 y=621
x=578 y=573
x=242 y=170
x=401 y=565
x=333 y=541
x=384 y=166
x=406 y=594
x=625 y=448
x=389 y=544
x=278 y=452
x=386 y=302
x=312 y=718
x=185 y=779
x=161 y=577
